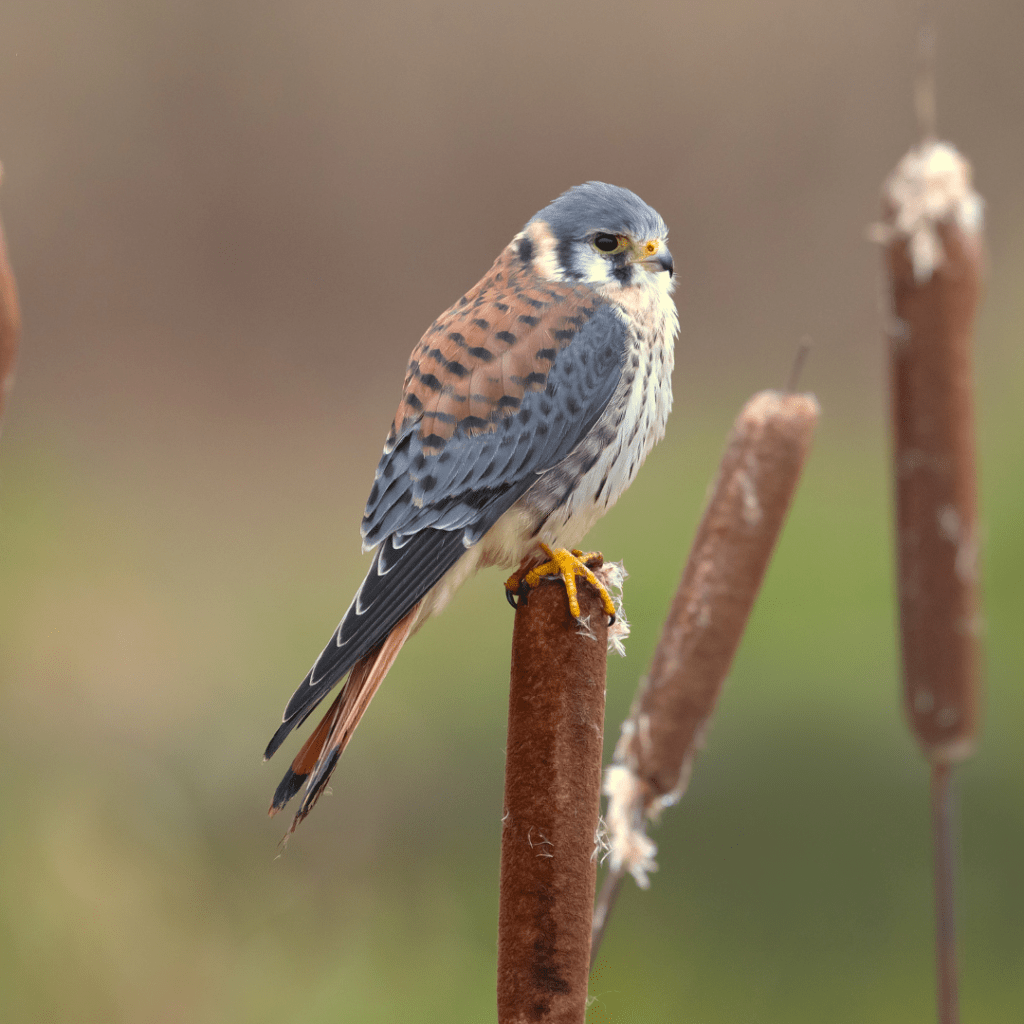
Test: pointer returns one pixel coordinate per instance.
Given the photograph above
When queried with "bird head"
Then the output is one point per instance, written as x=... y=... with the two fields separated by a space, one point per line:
x=600 y=235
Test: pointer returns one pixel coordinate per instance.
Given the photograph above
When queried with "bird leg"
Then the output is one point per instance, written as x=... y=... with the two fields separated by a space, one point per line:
x=568 y=565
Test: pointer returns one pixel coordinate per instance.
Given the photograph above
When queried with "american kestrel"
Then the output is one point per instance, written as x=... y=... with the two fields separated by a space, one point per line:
x=527 y=409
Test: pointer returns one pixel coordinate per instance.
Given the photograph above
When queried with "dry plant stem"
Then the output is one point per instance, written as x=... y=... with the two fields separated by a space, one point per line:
x=606 y=899
x=552 y=787
x=936 y=504
x=10 y=319
x=756 y=480
x=945 y=922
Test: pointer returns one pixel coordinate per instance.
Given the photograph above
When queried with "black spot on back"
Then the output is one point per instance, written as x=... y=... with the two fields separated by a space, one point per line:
x=441 y=417
x=529 y=380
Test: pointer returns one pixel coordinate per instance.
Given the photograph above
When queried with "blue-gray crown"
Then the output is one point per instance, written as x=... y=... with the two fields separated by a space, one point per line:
x=596 y=206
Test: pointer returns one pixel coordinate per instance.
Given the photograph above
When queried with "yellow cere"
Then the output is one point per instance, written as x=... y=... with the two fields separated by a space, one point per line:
x=651 y=247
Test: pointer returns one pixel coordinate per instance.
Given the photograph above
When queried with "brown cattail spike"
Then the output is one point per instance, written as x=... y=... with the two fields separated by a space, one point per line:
x=552 y=803
x=756 y=481
x=932 y=233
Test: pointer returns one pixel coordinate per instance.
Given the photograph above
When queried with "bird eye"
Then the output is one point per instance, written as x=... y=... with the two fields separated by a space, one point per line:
x=607 y=243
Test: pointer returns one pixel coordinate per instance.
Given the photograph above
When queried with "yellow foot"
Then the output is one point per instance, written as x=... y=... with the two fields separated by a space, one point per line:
x=568 y=565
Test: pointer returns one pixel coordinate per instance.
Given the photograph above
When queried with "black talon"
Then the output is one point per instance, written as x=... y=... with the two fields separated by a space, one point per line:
x=611 y=620
x=510 y=598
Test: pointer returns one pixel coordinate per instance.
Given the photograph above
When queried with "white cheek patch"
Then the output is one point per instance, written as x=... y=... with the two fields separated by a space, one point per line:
x=545 y=255
x=597 y=270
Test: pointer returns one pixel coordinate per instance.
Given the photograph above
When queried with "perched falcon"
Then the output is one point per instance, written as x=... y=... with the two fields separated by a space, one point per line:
x=527 y=409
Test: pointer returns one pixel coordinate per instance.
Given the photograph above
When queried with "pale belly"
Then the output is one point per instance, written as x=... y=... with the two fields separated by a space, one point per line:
x=644 y=412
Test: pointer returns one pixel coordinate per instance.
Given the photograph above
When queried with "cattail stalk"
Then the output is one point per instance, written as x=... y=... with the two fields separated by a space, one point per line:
x=10 y=319
x=932 y=232
x=751 y=496
x=552 y=803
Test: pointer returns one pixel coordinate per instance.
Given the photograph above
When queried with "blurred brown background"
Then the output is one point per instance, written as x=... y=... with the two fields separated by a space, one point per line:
x=230 y=223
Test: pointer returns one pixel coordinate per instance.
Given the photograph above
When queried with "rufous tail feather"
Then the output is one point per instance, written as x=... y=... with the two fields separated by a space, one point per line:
x=314 y=763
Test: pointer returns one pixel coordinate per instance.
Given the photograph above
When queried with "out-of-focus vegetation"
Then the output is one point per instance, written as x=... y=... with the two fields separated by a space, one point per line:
x=145 y=656
x=230 y=223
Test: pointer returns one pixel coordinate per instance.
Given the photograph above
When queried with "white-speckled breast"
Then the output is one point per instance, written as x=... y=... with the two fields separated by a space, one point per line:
x=567 y=501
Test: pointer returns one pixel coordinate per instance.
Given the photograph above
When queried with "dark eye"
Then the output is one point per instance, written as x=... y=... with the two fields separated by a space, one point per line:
x=606 y=243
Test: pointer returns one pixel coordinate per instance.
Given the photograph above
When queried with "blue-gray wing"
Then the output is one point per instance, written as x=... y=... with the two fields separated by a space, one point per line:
x=498 y=392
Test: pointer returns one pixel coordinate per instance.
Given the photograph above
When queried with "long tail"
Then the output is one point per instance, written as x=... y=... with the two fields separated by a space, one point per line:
x=320 y=753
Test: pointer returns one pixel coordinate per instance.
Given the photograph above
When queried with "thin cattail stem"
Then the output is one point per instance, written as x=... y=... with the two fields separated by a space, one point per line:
x=924 y=79
x=606 y=899
x=552 y=803
x=755 y=485
x=10 y=319
x=799 y=361
x=945 y=917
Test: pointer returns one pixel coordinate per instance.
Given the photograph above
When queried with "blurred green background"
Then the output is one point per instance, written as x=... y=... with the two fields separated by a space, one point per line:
x=231 y=221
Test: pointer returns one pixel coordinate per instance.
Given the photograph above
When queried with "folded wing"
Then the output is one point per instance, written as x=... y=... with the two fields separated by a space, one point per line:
x=499 y=390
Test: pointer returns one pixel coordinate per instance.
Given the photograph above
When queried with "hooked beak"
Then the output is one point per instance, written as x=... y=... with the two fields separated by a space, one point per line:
x=655 y=264
x=655 y=257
